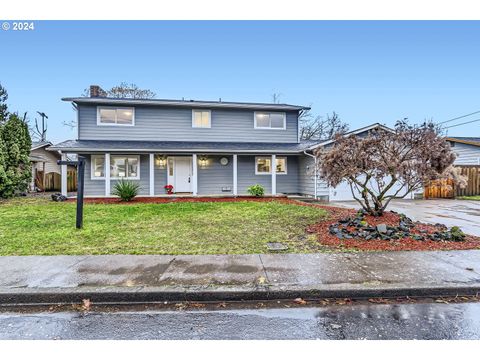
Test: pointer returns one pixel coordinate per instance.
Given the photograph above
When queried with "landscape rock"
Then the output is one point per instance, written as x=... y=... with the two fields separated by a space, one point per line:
x=58 y=197
x=382 y=228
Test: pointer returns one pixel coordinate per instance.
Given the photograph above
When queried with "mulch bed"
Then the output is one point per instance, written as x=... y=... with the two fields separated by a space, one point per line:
x=173 y=199
x=391 y=219
x=322 y=228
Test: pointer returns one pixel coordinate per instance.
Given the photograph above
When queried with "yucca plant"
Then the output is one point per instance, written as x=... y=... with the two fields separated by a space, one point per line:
x=126 y=190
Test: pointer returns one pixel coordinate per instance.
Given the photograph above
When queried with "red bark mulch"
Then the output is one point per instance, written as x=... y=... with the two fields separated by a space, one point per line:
x=390 y=219
x=164 y=200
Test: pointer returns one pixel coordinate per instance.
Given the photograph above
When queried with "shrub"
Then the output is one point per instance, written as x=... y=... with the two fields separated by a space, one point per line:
x=457 y=234
x=256 y=190
x=125 y=190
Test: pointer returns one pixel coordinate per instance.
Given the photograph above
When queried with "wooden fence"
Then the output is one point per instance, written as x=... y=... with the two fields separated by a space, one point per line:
x=53 y=181
x=446 y=188
x=473 y=187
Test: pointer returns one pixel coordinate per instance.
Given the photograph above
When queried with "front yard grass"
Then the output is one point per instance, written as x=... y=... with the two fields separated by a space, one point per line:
x=475 y=197
x=33 y=226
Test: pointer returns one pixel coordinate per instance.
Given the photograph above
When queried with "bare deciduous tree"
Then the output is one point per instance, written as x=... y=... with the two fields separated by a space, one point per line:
x=126 y=91
x=387 y=164
x=319 y=128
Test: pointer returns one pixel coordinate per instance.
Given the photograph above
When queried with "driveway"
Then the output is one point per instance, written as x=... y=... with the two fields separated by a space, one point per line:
x=462 y=213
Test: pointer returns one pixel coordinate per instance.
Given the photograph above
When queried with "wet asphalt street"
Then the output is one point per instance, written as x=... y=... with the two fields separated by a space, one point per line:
x=358 y=321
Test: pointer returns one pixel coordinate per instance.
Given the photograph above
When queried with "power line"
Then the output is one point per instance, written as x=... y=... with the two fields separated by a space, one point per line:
x=460 y=117
x=467 y=122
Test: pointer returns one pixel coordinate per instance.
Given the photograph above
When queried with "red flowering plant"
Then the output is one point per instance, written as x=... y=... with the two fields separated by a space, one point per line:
x=169 y=189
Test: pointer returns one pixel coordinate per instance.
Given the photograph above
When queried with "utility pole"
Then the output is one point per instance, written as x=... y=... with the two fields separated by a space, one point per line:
x=42 y=133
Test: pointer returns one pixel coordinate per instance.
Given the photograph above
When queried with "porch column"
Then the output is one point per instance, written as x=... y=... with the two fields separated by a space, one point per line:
x=235 y=186
x=107 y=174
x=152 y=175
x=274 y=175
x=194 y=175
x=63 y=173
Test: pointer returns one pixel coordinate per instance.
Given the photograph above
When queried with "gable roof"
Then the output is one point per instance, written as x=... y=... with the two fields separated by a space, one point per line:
x=475 y=141
x=39 y=144
x=185 y=103
x=353 y=132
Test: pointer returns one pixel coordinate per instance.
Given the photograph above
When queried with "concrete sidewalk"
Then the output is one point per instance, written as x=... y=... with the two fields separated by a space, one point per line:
x=138 y=278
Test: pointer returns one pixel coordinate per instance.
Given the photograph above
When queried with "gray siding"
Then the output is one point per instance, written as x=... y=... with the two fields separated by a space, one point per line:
x=214 y=176
x=211 y=179
x=288 y=183
x=160 y=180
x=466 y=154
x=246 y=176
x=175 y=124
x=92 y=187
x=306 y=178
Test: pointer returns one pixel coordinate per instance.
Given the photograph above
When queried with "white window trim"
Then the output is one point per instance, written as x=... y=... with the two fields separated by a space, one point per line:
x=92 y=167
x=209 y=119
x=126 y=177
x=270 y=172
x=269 y=127
x=99 y=123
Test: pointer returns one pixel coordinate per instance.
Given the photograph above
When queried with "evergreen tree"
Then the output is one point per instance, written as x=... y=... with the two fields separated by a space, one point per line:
x=16 y=151
x=3 y=104
x=4 y=183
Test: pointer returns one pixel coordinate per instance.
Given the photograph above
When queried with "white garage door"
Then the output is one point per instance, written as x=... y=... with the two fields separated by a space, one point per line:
x=343 y=192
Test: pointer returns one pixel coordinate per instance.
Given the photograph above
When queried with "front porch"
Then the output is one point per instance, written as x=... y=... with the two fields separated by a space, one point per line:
x=216 y=175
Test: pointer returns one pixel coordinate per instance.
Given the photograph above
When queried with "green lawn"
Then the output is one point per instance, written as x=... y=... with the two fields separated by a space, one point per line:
x=476 y=197
x=31 y=226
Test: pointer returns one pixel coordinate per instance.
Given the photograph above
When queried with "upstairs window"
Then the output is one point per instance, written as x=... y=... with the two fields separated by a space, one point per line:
x=201 y=118
x=115 y=116
x=270 y=120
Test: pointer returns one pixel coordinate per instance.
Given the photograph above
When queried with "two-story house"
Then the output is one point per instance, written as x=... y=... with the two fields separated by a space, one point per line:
x=199 y=147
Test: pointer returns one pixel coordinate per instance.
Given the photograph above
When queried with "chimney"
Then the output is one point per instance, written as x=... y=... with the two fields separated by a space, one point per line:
x=97 y=91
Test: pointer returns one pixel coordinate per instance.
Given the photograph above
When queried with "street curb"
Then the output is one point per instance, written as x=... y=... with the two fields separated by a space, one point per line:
x=141 y=295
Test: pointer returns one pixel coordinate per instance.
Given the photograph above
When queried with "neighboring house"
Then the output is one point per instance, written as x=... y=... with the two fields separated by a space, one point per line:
x=44 y=165
x=467 y=150
x=199 y=147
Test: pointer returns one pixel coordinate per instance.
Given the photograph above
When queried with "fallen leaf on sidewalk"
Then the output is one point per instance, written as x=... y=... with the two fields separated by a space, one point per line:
x=441 y=301
x=222 y=305
x=181 y=306
x=343 y=301
x=379 y=301
x=299 y=301
x=86 y=304
x=261 y=280
x=197 y=305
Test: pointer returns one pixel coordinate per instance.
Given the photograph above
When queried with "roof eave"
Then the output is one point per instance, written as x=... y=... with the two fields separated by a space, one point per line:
x=354 y=132
x=474 y=143
x=185 y=103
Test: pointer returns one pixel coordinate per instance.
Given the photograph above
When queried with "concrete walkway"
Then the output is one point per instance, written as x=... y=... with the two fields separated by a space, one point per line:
x=462 y=213
x=127 y=278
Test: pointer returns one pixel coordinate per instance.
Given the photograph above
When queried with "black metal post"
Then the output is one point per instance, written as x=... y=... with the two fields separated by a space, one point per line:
x=80 y=164
x=81 y=175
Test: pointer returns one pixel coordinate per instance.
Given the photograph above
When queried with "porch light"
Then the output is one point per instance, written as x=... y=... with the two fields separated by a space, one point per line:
x=161 y=161
x=203 y=162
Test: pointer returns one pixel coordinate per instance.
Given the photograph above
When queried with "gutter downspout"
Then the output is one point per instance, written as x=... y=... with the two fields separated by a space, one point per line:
x=315 y=183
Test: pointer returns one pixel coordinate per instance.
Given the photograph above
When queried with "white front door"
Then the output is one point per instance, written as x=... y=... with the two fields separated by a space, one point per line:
x=182 y=174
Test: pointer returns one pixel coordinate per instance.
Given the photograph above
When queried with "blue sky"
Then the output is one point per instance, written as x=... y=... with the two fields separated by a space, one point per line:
x=366 y=71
